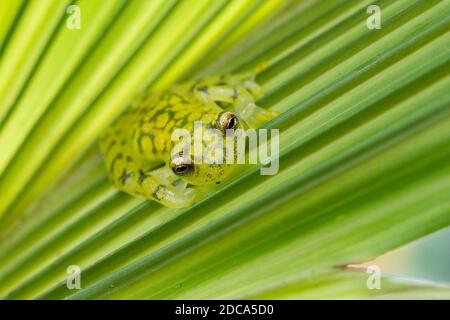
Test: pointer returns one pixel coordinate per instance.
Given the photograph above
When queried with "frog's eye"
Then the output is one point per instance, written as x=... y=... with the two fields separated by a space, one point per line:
x=181 y=167
x=226 y=120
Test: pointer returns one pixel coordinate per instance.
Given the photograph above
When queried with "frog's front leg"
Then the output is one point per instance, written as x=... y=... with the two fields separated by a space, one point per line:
x=160 y=185
x=163 y=186
x=240 y=98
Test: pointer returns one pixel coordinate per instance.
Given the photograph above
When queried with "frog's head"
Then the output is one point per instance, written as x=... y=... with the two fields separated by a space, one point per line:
x=203 y=172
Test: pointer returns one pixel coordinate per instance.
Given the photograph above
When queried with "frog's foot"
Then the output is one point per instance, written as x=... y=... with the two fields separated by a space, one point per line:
x=177 y=197
x=247 y=81
x=168 y=195
x=240 y=100
x=254 y=88
x=164 y=187
x=254 y=116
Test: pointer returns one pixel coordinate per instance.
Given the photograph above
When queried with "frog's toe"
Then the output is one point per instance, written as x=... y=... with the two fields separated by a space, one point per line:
x=180 y=198
x=257 y=117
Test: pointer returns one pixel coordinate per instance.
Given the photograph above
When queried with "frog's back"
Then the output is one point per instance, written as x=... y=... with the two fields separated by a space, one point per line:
x=138 y=144
x=144 y=130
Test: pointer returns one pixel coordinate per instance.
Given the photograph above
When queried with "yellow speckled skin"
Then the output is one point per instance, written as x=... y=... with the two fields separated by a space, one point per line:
x=137 y=148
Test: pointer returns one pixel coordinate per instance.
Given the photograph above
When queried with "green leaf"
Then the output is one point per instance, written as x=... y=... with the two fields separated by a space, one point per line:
x=353 y=285
x=364 y=148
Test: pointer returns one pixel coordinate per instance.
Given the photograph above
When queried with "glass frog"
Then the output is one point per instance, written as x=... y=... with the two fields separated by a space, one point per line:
x=138 y=149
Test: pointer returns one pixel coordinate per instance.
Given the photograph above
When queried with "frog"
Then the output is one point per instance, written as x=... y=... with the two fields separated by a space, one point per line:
x=138 y=149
